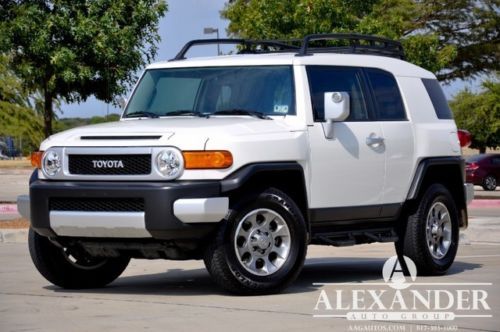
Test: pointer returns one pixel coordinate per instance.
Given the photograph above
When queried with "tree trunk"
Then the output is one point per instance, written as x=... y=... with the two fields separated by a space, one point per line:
x=482 y=149
x=47 y=114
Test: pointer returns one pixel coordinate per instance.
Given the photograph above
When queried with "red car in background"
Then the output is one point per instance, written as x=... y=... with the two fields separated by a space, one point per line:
x=483 y=170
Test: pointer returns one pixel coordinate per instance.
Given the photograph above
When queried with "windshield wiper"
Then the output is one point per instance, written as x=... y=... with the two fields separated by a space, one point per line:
x=241 y=111
x=185 y=112
x=140 y=114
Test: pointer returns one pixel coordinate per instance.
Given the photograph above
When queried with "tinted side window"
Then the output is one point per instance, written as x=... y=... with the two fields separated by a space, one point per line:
x=342 y=79
x=388 y=102
x=438 y=99
x=495 y=161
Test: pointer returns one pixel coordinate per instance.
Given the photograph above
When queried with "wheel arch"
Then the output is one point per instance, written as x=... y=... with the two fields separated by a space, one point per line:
x=448 y=171
x=285 y=176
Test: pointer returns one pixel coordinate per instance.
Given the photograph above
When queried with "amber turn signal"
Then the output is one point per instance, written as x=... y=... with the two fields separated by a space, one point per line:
x=207 y=159
x=36 y=159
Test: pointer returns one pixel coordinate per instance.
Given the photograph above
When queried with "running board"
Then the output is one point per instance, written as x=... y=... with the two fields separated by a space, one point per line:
x=350 y=238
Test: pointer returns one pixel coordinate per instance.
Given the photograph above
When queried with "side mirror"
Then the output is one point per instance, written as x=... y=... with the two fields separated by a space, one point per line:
x=337 y=106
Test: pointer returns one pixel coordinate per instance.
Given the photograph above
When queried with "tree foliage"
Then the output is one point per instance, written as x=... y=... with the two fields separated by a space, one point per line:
x=18 y=118
x=479 y=113
x=452 y=38
x=72 y=49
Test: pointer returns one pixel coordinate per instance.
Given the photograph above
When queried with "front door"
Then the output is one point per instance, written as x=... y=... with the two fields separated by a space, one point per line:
x=348 y=169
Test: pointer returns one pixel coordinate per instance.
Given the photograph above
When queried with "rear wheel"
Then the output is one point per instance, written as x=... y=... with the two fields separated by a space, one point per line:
x=70 y=267
x=431 y=235
x=261 y=246
x=490 y=183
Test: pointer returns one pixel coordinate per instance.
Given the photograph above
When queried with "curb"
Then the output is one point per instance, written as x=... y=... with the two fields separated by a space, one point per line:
x=13 y=235
x=8 y=209
x=484 y=203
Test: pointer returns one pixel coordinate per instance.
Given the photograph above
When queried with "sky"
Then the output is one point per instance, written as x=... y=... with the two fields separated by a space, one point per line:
x=183 y=22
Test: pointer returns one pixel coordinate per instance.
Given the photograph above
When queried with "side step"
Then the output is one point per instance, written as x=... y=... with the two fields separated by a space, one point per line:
x=350 y=238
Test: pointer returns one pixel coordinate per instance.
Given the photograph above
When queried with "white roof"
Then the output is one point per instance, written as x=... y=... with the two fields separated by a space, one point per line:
x=393 y=65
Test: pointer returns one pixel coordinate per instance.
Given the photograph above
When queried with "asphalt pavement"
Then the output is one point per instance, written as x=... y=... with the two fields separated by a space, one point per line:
x=180 y=296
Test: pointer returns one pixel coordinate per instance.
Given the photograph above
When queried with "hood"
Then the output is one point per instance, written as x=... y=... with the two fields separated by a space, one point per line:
x=183 y=132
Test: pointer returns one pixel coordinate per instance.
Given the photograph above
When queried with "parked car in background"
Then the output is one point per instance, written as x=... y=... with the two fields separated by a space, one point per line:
x=484 y=170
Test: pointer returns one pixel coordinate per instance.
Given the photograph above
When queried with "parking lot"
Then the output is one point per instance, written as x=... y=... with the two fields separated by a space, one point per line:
x=180 y=296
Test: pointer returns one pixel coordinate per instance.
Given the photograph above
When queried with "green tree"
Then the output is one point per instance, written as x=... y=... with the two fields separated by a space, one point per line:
x=452 y=38
x=479 y=113
x=72 y=49
x=18 y=119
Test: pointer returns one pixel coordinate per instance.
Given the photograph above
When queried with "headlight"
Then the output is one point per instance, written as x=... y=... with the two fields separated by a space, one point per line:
x=51 y=163
x=170 y=163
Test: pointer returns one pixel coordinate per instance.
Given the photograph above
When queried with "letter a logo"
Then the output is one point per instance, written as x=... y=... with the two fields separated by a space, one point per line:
x=397 y=274
x=393 y=273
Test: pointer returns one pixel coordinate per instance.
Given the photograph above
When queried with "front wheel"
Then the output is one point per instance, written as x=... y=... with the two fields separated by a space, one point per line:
x=260 y=248
x=72 y=268
x=430 y=237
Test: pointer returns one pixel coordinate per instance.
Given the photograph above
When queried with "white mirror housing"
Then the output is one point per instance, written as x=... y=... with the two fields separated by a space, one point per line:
x=336 y=105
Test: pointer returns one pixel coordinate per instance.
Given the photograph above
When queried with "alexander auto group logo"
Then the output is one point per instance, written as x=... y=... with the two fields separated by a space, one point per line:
x=402 y=298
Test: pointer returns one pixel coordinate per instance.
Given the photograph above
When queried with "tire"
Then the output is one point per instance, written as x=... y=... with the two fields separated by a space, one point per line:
x=261 y=222
x=70 y=268
x=489 y=183
x=416 y=238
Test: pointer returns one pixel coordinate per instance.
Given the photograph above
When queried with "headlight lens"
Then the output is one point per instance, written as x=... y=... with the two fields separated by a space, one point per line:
x=170 y=163
x=51 y=163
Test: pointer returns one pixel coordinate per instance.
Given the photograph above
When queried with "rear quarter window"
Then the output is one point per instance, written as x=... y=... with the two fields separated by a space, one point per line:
x=386 y=95
x=438 y=99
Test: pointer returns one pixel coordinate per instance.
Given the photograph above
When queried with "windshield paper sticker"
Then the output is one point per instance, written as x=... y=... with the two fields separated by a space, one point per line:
x=282 y=109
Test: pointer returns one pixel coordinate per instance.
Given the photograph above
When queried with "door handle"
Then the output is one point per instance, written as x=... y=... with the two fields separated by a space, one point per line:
x=374 y=140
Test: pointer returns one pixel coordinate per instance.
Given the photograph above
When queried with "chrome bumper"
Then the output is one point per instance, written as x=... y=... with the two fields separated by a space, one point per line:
x=469 y=192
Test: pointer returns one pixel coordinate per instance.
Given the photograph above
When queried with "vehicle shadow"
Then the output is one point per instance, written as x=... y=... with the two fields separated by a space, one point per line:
x=196 y=282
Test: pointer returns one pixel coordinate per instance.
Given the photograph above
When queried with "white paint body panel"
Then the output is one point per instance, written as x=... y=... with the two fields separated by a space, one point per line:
x=343 y=171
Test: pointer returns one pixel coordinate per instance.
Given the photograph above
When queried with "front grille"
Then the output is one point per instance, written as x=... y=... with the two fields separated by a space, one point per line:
x=82 y=164
x=97 y=204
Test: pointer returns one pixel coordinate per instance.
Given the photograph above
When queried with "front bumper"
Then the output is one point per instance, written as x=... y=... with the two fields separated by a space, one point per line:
x=172 y=210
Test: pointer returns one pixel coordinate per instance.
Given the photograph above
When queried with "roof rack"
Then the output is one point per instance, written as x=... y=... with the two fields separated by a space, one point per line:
x=357 y=44
x=249 y=46
x=347 y=43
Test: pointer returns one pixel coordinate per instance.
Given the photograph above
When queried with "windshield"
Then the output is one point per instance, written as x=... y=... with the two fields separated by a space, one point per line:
x=249 y=90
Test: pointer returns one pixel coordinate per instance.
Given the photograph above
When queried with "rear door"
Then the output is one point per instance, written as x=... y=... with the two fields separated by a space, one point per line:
x=397 y=131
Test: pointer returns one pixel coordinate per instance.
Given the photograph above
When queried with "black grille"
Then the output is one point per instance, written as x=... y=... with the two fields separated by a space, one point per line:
x=97 y=204
x=137 y=164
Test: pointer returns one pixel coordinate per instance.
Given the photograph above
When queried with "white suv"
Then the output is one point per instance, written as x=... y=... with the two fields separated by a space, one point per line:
x=243 y=160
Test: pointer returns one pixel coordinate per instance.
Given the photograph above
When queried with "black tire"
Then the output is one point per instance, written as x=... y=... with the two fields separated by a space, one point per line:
x=221 y=257
x=413 y=239
x=489 y=183
x=55 y=265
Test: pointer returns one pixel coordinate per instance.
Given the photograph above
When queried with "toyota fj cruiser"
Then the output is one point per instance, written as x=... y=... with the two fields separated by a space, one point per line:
x=243 y=160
